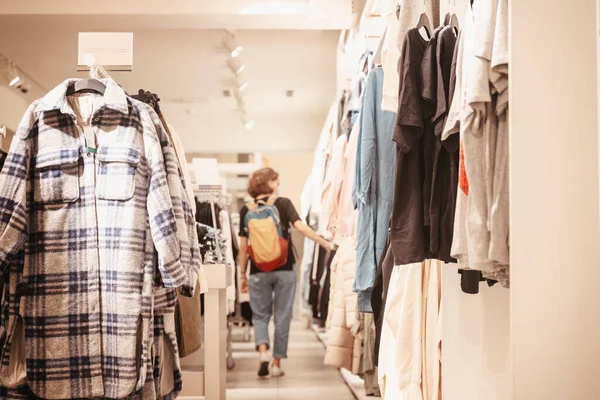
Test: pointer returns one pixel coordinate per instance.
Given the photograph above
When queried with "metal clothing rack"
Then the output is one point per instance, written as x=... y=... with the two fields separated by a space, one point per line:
x=223 y=200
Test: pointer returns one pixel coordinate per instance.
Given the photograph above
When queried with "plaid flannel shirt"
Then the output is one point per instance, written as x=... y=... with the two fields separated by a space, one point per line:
x=89 y=225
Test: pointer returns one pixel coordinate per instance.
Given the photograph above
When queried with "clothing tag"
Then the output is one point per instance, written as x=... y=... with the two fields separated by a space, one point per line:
x=90 y=138
x=85 y=107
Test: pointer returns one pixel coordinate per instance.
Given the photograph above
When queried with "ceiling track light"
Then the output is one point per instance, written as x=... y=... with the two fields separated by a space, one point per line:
x=241 y=106
x=235 y=65
x=239 y=96
x=240 y=83
x=13 y=75
x=248 y=122
x=232 y=46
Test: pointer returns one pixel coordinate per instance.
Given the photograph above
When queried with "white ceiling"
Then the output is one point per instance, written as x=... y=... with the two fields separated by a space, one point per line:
x=205 y=14
x=186 y=67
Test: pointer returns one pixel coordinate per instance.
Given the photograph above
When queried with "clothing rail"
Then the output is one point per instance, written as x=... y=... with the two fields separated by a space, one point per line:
x=223 y=200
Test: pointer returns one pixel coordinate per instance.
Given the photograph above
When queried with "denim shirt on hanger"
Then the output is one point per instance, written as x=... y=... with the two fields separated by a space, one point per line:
x=373 y=192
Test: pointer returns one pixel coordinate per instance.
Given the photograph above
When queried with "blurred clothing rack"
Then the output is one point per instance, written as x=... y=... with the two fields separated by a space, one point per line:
x=210 y=194
x=223 y=200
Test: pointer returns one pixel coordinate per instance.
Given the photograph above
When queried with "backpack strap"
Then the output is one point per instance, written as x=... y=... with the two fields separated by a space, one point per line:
x=253 y=205
x=264 y=201
x=271 y=200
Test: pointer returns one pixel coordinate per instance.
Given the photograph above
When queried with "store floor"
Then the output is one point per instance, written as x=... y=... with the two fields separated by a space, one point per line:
x=306 y=376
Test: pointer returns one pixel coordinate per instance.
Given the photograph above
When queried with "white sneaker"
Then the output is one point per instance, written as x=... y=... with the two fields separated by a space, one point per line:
x=263 y=367
x=277 y=372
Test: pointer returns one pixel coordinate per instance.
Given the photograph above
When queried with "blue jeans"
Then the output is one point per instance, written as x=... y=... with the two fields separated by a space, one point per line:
x=272 y=293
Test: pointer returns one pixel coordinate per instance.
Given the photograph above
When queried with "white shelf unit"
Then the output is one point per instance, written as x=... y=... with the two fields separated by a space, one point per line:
x=205 y=372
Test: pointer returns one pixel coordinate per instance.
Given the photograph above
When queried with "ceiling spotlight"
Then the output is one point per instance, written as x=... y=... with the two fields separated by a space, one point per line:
x=13 y=75
x=235 y=65
x=232 y=45
x=248 y=123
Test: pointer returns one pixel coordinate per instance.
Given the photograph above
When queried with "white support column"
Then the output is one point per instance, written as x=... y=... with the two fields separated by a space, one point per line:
x=205 y=372
x=215 y=331
x=555 y=235
x=215 y=351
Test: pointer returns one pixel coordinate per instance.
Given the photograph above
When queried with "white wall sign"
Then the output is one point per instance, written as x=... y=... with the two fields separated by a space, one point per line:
x=112 y=50
x=206 y=171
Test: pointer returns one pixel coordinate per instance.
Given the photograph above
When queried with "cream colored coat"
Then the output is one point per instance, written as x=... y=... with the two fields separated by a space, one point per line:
x=342 y=305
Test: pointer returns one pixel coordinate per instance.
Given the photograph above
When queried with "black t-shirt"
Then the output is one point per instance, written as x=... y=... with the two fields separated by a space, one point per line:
x=435 y=70
x=408 y=230
x=289 y=216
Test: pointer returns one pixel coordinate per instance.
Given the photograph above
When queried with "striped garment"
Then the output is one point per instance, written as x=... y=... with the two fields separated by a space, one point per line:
x=94 y=245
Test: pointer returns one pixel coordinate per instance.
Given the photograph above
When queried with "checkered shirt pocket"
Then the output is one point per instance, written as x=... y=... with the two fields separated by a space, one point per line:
x=56 y=177
x=116 y=172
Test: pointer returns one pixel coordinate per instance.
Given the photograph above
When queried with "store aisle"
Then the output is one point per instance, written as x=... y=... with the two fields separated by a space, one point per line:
x=306 y=376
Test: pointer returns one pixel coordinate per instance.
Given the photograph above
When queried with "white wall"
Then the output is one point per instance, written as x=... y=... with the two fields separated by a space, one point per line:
x=294 y=169
x=541 y=339
x=12 y=107
x=554 y=192
x=476 y=341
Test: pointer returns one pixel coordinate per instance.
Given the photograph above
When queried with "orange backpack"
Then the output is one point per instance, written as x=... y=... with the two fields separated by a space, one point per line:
x=267 y=246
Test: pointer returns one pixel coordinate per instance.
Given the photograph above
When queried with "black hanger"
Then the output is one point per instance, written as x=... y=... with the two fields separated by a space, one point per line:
x=149 y=98
x=86 y=85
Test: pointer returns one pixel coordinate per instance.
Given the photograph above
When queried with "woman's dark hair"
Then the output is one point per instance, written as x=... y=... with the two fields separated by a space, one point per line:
x=259 y=182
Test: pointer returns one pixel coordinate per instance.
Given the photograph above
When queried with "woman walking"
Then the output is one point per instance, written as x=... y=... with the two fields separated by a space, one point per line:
x=265 y=238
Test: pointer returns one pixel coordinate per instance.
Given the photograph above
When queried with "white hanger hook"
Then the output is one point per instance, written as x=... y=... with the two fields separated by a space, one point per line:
x=89 y=60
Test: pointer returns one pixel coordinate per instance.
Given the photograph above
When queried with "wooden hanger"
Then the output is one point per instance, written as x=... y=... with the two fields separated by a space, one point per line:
x=377 y=60
x=451 y=19
x=424 y=22
x=454 y=24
